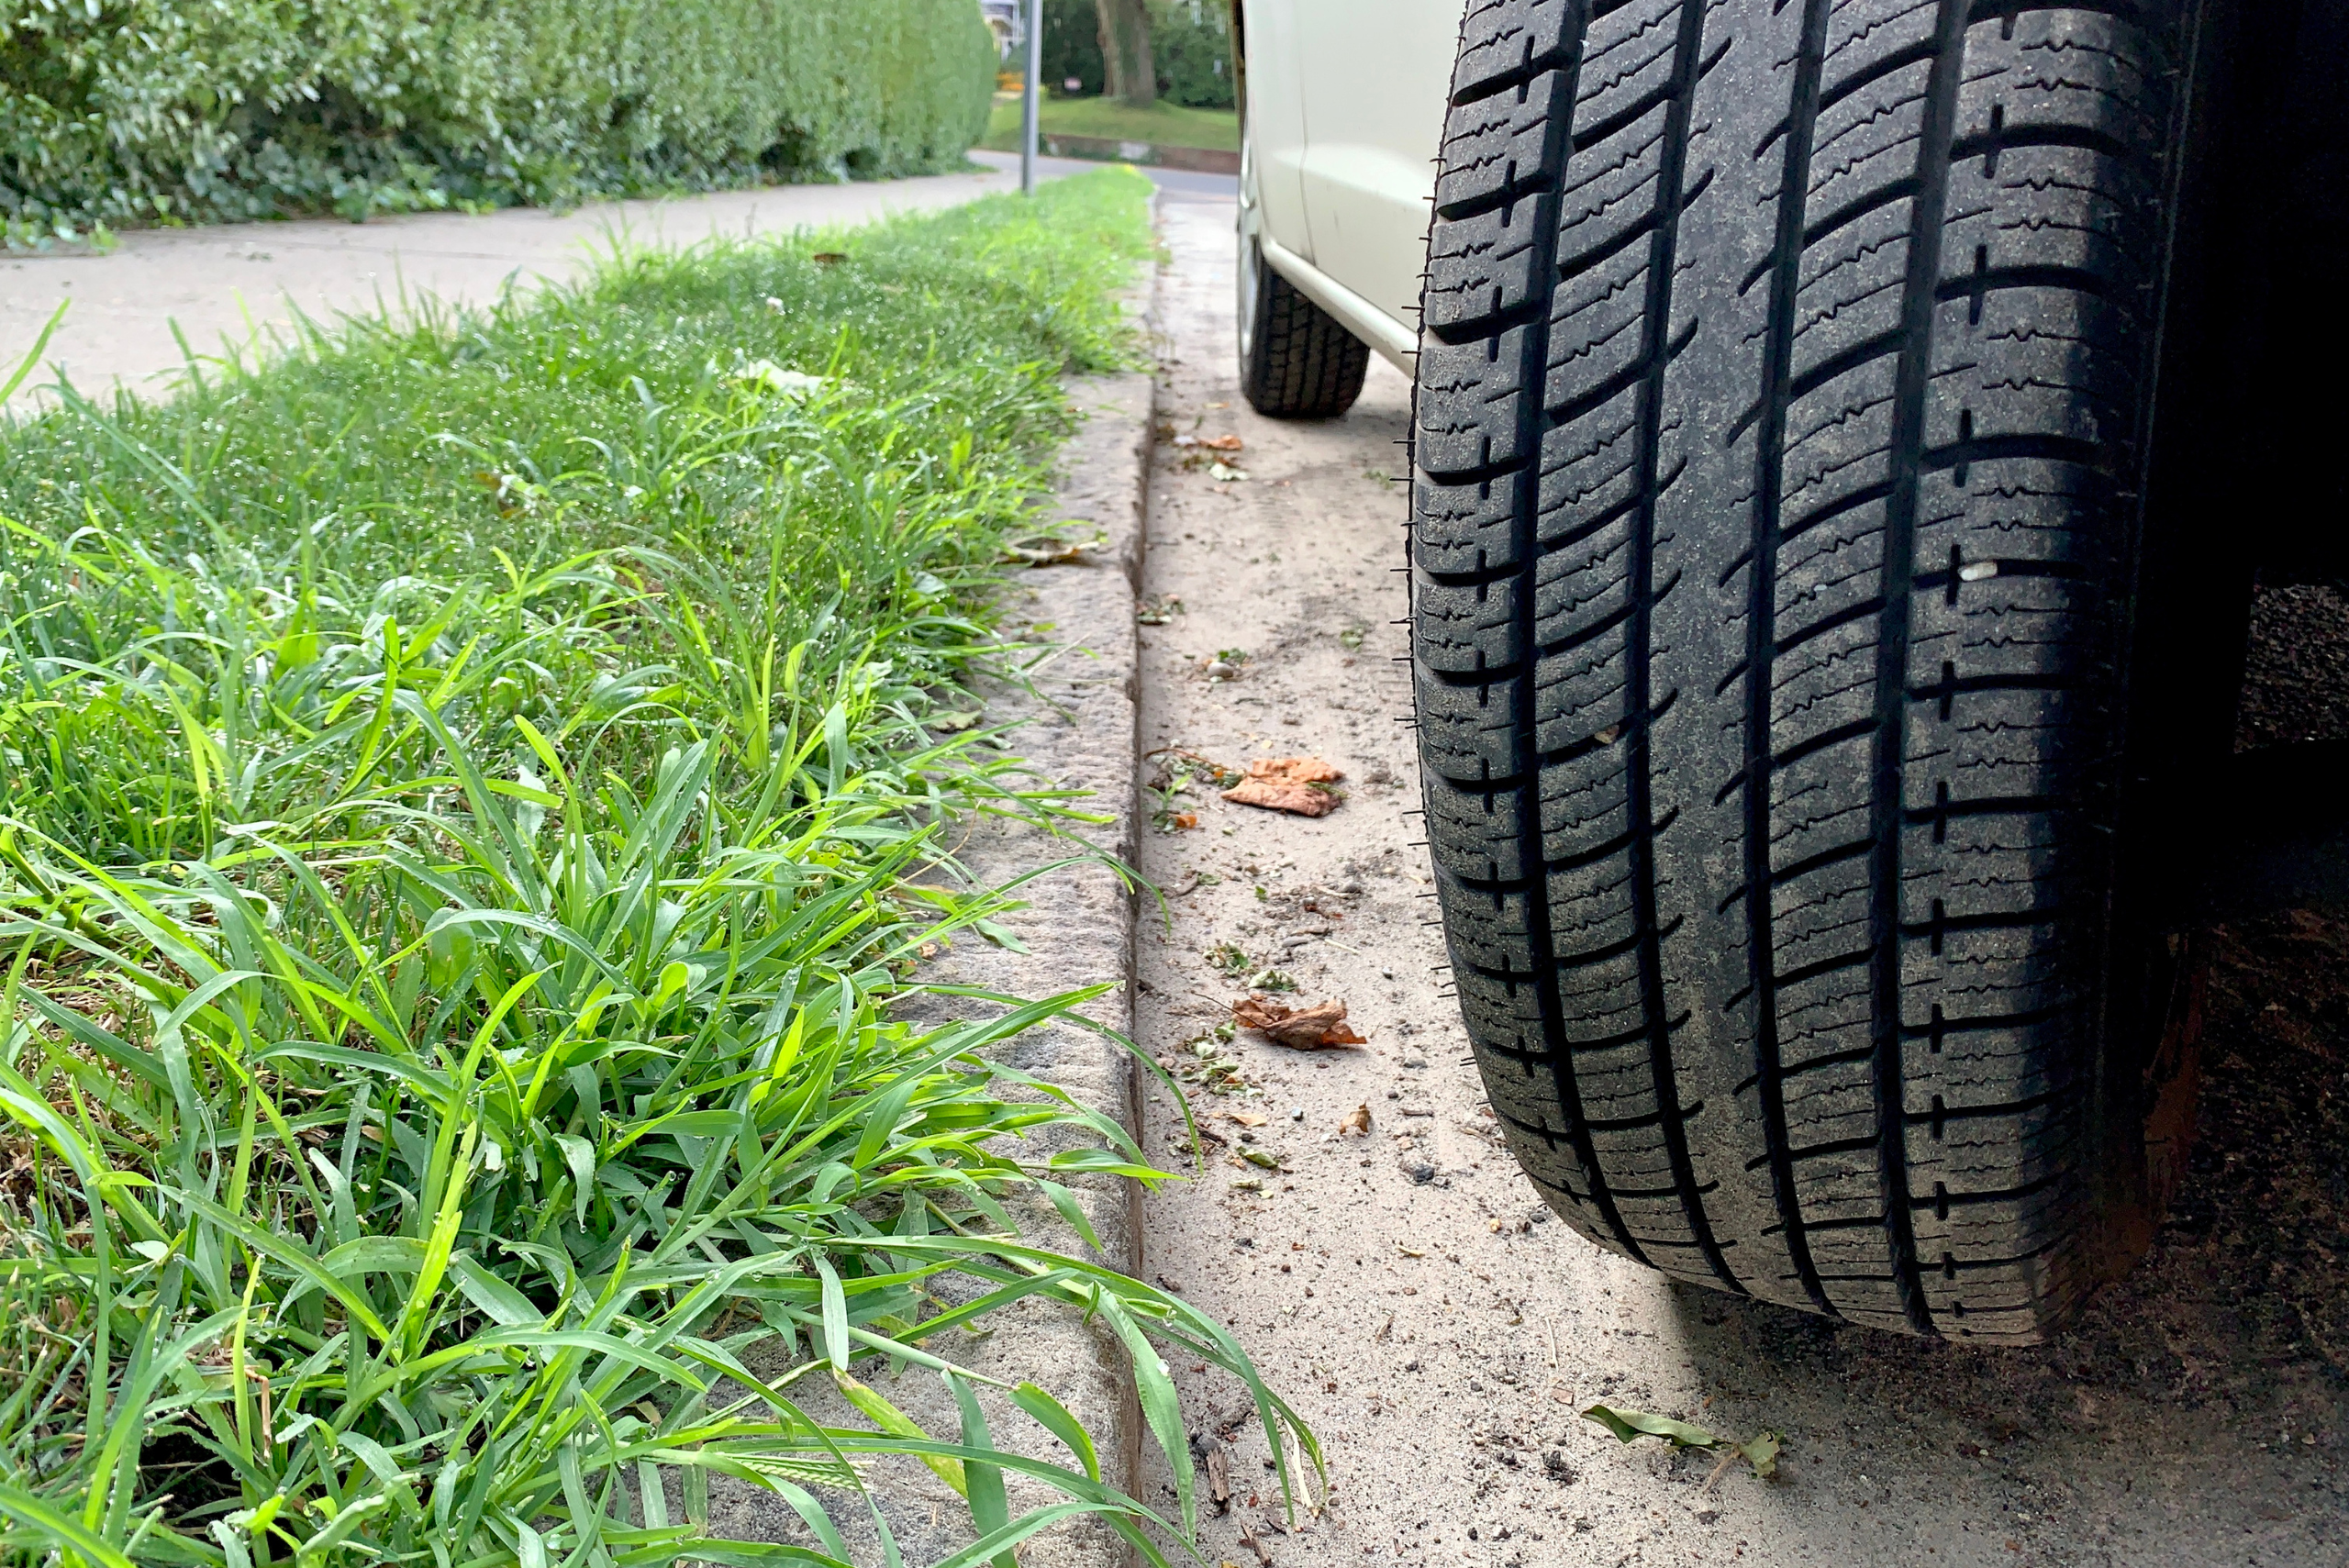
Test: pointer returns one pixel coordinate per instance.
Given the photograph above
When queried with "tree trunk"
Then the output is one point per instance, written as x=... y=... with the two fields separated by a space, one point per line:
x=1125 y=50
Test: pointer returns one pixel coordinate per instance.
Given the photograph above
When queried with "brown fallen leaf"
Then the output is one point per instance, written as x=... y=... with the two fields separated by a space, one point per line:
x=1357 y=1121
x=1052 y=552
x=1293 y=770
x=1219 y=1479
x=1303 y=800
x=828 y=258
x=1318 y=1028
x=1249 y=1118
x=1221 y=443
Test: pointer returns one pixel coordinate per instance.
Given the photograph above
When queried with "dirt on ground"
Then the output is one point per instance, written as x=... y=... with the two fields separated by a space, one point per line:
x=2296 y=669
x=1362 y=1230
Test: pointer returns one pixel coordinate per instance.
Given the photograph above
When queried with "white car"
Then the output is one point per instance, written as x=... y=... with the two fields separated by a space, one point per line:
x=1813 y=662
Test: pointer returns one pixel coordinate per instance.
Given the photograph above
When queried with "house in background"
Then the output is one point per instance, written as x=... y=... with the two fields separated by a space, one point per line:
x=1007 y=19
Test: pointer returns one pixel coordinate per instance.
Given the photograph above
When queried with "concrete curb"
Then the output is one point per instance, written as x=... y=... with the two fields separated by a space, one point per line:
x=1198 y=160
x=1079 y=923
x=1078 y=928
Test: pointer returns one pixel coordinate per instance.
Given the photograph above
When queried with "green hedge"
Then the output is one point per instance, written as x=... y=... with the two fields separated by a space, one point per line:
x=1191 y=45
x=125 y=112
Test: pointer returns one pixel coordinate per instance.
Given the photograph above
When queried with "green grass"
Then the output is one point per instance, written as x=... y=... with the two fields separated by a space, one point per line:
x=472 y=787
x=1161 y=125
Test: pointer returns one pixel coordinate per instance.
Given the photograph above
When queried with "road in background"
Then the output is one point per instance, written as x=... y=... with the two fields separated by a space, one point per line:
x=1442 y=1331
x=227 y=283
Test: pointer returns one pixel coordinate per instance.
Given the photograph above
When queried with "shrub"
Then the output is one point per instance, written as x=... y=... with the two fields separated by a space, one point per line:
x=1191 y=43
x=1072 y=46
x=123 y=112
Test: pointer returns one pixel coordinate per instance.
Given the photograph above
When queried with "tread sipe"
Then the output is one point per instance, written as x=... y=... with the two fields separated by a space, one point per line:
x=1783 y=411
x=1296 y=361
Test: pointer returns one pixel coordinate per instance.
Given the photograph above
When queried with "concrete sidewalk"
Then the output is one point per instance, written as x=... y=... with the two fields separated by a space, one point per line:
x=224 y=283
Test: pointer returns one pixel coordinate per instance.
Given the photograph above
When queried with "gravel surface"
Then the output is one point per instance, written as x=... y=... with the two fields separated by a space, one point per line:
x=1441 y=1332
x=2295 y=670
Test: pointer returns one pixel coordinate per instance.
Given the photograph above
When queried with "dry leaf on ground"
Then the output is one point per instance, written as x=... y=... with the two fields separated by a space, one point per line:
x=1293 y=770
x=1249 y=1118
x=1298 y=784
x=1357 y=1121
x=1053 y=552
x=1318 y=1028
x=1301 y=800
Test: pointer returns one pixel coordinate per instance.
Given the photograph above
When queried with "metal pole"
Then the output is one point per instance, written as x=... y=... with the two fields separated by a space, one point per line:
x=1032 y=93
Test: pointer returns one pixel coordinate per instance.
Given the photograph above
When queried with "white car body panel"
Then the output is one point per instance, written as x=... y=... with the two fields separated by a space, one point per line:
x=1344 y=118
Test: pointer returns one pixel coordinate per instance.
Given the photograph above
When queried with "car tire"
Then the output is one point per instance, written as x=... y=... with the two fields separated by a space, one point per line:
x=1793 y=579
x=1295 y=361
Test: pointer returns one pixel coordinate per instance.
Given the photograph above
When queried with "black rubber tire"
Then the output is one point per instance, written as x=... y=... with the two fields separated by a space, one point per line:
x=1295 y=361
x=1779 y=886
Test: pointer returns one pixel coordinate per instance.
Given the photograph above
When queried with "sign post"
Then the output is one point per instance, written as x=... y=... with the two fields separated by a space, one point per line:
x=1032 y=95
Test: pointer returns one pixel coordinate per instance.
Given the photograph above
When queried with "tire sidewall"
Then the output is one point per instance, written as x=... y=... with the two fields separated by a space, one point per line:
x=1250 y=282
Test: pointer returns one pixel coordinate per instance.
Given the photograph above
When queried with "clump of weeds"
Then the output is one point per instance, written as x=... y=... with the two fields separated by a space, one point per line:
x=470 y=788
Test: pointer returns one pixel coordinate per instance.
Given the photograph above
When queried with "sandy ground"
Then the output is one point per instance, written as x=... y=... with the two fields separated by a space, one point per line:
x=133 y=308
x=1440 y=1331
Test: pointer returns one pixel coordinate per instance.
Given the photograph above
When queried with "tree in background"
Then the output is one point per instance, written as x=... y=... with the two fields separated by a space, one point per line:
x=1072 y=65
x=1190 y=46
x=1125 y=50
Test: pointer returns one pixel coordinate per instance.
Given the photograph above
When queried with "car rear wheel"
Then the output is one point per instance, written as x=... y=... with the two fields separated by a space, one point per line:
x=1295 y=361
x=1789 y=573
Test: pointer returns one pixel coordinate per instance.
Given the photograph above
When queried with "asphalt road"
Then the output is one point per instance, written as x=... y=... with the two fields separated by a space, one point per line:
x=1441 y=1333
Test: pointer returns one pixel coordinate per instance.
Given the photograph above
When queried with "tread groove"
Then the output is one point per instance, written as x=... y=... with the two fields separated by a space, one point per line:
x=1885 y=813
x=1671 y=184
x=1548 y=1001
